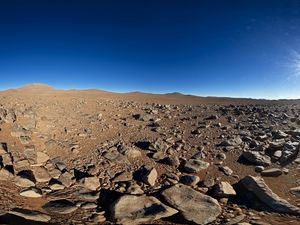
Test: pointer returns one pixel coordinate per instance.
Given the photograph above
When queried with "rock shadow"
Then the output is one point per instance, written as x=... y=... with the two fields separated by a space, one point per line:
x=10 y=219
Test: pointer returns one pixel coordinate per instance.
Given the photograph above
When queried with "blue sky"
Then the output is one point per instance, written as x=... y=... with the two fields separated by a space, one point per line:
x=247 y=48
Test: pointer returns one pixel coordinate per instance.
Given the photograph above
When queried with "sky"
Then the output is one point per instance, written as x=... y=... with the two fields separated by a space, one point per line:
x=248 y=48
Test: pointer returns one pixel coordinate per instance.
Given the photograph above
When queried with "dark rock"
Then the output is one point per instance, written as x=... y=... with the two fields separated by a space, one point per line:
x=60 y=207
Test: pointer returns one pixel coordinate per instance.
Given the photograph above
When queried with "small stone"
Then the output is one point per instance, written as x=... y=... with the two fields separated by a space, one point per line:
x=208 y=182
x=223 y=190
x=134 y=189
x=92 y=183
x=189 y=180
x=236 y=219
x=54 y=173
x=6 y=175
x=235 y=141
x=285 y=170
x=41 y=157
x=61 y=206
x=25 y=140
x=143 y=117
x=195 y=165
x=55 y=187
x=87 y=195
x=221 y=156
x=31 y=192
x=159 y=155
x=295 y=191
x=41 y=174
x=25 y=178
x=277 y=154
x=150 y=177
x=279 y=134
x=212 y=117
x=30 y=215
x=89 y=205
x=98 y=218
x=172 y=160
x=21 y=165
x=66 y=179
x=59 y=164
x=30 y=153
x=132 y=153
x=259 y=169
x=123 y=177
x=6 y=159
x=273 y=172
x=226 y=170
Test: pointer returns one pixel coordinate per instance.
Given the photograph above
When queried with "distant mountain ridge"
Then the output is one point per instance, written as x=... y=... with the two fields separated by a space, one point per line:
x=37 y=86
x=40 y=88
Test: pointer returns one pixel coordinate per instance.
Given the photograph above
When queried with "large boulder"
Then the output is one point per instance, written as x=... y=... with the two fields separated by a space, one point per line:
x=194 y=206
x=258 y=187
x=131 y=209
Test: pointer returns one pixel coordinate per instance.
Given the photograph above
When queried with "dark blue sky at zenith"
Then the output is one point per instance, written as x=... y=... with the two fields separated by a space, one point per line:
x=248 y=48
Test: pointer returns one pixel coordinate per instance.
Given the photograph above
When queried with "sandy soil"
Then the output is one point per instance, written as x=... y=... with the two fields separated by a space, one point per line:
x=79 y=128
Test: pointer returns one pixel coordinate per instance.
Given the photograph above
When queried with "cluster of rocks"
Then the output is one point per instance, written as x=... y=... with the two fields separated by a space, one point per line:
x=164 y=162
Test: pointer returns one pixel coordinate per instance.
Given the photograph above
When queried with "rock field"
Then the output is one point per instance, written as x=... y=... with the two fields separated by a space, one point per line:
x=95 y=157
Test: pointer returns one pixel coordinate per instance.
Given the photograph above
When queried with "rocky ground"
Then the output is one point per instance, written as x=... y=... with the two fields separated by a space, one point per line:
x=93 y=157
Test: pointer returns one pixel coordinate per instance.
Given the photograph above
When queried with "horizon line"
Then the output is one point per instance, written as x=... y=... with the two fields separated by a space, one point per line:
x=55 y=87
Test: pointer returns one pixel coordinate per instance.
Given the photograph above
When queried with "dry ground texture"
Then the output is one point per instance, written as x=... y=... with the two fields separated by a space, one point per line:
x=95 y=157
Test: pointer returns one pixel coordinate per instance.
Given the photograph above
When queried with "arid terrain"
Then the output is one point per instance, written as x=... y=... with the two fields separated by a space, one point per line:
x=96 y=157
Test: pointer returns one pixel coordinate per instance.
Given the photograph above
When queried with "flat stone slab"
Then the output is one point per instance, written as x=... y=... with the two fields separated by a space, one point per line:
x=30 y=215
x=257 y=158
x=60 y=207
x=131 y=209
x=295 y=191
x=273 y=172
x=195 y=165
x=193 y=205
x=31 y=192
x=41 y=174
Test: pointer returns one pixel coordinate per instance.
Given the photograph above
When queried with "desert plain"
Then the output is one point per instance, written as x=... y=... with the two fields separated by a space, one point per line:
x=96 y=157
